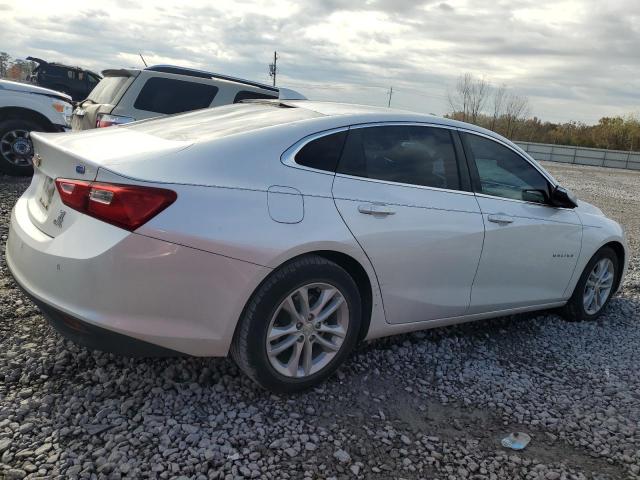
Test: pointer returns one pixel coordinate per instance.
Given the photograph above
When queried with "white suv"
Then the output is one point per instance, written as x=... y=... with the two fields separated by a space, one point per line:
x=127 y=95
x=25 y=108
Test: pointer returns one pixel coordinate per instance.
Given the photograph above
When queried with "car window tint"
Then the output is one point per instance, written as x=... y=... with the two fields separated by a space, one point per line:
x=164 y=95
x=405 y=154
x=502 y=172
x=109 y=89
x=247 y=95
x=322 y=153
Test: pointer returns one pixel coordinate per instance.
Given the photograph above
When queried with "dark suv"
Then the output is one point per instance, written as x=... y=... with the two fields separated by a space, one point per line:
x=73 y=81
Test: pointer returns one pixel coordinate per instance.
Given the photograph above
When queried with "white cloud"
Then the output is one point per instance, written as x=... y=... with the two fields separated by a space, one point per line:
x=574 y=59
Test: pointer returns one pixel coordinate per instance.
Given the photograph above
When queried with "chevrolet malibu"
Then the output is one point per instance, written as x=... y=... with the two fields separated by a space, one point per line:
x=284 y=233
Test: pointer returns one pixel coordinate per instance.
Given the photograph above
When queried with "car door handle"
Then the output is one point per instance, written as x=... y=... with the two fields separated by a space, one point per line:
x=376 y=209
x=500 y=218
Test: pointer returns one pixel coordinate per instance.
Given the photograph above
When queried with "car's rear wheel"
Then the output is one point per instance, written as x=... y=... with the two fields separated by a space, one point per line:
x=595 y=287
x=16 y=148
x=299 y=326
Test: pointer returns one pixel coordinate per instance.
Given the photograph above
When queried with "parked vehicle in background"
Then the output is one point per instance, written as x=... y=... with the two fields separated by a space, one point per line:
x=276 y=230
x=127 y=95
x=25 y=108
x=74 y=81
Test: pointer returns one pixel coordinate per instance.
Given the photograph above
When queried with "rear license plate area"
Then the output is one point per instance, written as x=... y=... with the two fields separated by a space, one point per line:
x=45 y=194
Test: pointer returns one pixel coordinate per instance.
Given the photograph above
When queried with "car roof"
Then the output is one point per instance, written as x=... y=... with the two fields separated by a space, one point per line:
x=368 y=113
x=192 y=72
x=62 y=65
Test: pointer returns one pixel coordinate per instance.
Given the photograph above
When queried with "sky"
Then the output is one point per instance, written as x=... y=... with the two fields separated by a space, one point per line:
x=574 y=60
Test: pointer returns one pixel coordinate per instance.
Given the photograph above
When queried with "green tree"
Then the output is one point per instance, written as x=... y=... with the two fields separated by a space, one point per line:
x=5 y=58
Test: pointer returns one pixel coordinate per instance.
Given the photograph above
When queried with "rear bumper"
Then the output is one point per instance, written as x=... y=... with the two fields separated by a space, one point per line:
x=112 y=284
x=97 y=338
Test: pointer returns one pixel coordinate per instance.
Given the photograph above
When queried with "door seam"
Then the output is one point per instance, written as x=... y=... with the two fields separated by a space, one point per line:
x=384 y=311
x=475 y=275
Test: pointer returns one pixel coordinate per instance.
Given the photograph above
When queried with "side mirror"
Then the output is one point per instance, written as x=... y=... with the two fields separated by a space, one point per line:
x=536 y=196
x=561 y=197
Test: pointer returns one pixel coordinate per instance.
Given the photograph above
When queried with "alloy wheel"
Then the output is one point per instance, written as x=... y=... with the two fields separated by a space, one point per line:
x=598 y=286
x=307 y=330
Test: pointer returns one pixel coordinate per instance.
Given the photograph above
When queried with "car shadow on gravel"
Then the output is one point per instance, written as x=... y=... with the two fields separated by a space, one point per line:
x=89 y=400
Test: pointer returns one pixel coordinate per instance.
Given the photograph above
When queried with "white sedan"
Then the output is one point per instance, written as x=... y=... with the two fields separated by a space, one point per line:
x=283 y=233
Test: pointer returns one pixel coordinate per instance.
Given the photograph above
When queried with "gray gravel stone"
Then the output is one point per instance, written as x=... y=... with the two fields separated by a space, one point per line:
x=431 y=404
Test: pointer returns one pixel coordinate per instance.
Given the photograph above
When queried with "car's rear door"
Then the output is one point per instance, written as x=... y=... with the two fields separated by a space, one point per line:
x=531 y=247
x=402 y=193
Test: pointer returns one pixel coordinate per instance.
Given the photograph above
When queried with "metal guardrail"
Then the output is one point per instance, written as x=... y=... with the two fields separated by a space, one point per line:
x=582 y=155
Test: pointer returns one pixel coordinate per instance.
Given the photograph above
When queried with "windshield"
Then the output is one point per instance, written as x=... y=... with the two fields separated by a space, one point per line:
x=110 y=89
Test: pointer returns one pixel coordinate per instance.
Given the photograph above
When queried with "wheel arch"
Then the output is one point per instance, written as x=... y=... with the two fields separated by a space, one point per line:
x=620 y=252
x=20 y=113
x=351 y=265
x=363 y=282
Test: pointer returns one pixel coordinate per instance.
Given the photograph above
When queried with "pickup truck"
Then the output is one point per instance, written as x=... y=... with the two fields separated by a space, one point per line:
x=24 y=109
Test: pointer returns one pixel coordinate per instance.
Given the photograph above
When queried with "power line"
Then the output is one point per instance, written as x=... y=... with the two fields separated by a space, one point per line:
x=355 y=86
x=389 y=91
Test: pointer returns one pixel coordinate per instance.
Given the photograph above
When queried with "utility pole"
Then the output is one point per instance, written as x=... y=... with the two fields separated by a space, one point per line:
x=273 y=68
x=390 y=95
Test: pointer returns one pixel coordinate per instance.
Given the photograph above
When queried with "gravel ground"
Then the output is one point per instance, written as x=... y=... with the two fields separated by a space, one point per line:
x=430 y=405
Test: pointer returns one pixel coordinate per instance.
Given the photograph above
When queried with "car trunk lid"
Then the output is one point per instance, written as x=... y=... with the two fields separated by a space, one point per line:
x=79 y=156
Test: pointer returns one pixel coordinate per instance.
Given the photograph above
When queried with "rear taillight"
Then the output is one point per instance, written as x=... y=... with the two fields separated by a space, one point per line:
x=105 y=120
x=126 y=206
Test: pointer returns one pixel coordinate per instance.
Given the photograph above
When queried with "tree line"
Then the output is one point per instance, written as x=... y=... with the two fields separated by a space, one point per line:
x=476 y=100
x=15 y=69
x=499 y=108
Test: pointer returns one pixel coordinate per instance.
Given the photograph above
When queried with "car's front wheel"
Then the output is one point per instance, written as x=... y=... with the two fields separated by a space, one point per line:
x=299 y=326
x=595 y=287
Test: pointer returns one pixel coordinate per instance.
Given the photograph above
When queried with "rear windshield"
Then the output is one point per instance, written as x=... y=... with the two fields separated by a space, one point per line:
x=221 y=121
x=109 y=90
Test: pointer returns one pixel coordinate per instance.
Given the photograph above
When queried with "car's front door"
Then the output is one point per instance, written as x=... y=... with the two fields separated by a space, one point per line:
x=530 y=247
x=400 y=191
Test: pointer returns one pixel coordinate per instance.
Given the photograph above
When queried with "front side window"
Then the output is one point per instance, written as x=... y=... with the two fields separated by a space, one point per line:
x=502 y=172
x=322 y=153
x=165 y=95
x=405 y=154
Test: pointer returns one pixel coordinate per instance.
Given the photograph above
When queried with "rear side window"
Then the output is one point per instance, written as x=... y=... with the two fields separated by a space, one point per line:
x=165 y=95
x=247 y=95
x=322 y=153
x=405 y=154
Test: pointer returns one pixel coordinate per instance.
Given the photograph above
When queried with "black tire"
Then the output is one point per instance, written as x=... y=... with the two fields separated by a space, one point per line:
x=249 y=348
x=10 y=125
x=574 y=310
